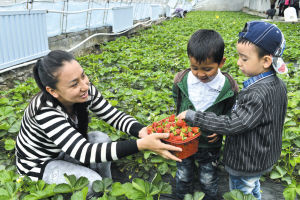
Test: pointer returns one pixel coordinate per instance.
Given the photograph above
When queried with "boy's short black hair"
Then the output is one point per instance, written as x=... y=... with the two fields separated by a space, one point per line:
x=260 y=51
x=205 y=44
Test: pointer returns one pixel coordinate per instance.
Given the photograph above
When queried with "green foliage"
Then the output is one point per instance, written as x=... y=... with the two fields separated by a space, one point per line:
x=238 y=195
x=135 y=75
x=196 y=196
x=137 y=190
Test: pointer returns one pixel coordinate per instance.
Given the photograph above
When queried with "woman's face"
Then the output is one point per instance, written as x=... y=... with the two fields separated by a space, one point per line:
x=73 y=84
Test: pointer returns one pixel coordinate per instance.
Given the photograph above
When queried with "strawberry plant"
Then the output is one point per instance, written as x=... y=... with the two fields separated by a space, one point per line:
x=136 y=73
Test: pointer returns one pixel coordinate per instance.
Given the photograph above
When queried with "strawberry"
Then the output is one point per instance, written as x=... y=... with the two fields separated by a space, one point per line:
x=167 y=125
x=155 y=124
x=178 y=131
x=171 y=136
x=178 y=138
x=159 y=130
x=166 y=130
x=195 y=129
x=172 y=118
x=149 y=130
x=190 y=134
x=184 y=129
x=180 y=123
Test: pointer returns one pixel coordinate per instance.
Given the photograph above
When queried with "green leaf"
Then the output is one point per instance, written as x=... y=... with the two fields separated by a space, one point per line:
x=98 y=186
x=71 y=179
x=9 y=144
x=163 y=168
x=237 y=195
x=198 y=195
x=80 y=195
x=118 y=189
x=58 y=197
x=4 y=126
x=297 y=142
x=188 y=197
x=139 y=184
x=4 y=101
x=3 y=192
x=153 y=190
x=62 y=188
x=40 y=184
x=165 y=188
x=15 y=127
x=81 y=183
x=290 y=192
x=156 y=179
x=287 y=179
x=107 y=182
x=114 y=102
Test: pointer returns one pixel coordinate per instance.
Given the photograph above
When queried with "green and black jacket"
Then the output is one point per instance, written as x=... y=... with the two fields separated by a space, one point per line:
x=222 y=105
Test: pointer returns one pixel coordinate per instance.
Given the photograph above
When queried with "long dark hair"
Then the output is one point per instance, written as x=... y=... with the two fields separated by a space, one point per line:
x=44 y=73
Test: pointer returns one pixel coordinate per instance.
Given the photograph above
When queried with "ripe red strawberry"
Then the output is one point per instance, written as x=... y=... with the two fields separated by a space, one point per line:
x=159 y=130
x=155 y=124
x=149 y=130
x=180 y=123
x=178 y=131
x=172 y=118
x=167 y=125
x=195 y=129
x=171 y=136
x=178 y=138
x=184 y=129
x=190 y=134
x=166 y=130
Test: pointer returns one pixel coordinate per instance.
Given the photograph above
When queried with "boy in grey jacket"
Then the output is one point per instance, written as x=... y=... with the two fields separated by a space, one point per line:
x=254 y=128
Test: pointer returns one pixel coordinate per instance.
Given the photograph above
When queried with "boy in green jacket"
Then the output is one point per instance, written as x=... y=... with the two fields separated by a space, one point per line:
x=203 y=87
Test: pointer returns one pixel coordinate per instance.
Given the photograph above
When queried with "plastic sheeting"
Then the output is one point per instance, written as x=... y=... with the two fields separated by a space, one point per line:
x=57 y=23
x=219 y=5
x=258 y=5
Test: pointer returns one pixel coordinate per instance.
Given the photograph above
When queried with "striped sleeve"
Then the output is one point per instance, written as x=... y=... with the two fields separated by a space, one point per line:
x=246 y=115
x=70 y=141
x=118 y=119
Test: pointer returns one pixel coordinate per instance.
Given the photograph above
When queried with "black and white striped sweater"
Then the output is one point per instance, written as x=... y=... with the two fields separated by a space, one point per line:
x=42 y=137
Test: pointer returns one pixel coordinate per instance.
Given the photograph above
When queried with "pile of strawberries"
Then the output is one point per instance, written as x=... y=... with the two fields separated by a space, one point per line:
x=178 y=129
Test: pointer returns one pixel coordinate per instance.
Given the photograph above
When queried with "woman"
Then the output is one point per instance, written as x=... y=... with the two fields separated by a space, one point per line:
x=53 y=137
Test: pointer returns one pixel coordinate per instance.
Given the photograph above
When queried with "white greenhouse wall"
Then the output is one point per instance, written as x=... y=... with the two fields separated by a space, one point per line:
x=258 y=5
x=219 y=5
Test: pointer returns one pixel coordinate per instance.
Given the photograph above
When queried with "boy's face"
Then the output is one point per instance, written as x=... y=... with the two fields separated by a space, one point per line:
x=205 y=71
x=249 y=62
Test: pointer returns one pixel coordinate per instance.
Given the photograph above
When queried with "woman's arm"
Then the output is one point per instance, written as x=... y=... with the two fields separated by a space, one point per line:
x=56 y=127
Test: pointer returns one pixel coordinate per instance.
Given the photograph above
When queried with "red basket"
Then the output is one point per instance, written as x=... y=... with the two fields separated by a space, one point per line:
x=189 y=146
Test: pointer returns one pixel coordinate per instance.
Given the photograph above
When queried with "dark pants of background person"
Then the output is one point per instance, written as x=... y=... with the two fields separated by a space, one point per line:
x=207 y=160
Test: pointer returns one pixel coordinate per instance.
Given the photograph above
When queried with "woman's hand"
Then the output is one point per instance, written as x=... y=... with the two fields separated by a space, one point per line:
x=152 y=142
x=143 y=132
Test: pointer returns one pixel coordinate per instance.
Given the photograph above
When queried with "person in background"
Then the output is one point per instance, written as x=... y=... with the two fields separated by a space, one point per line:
x=280 y=6
x=54 y=139
x=179 y=12
x=254 y=127
x=203 y=87
x=271 y=12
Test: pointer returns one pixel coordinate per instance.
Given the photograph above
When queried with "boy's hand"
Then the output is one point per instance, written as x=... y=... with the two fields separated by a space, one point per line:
x=182 y=115
x=214 y=137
